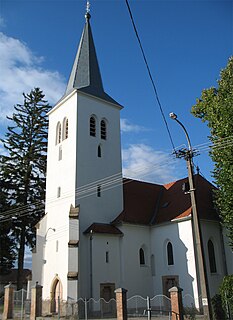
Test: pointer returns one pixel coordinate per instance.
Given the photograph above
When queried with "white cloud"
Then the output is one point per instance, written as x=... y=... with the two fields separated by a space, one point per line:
x=21 y=71
x=127 y=126
x=142 y=162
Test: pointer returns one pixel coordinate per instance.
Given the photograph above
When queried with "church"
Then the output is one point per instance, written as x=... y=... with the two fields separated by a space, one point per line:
x=101 y=232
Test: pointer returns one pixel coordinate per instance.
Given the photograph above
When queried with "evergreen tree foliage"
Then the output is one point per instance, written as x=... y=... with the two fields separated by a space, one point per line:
x=216 y=108
x=7 y=244
x=24 y=169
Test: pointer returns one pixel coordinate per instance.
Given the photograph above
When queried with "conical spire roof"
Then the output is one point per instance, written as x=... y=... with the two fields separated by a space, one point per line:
x=85 y=75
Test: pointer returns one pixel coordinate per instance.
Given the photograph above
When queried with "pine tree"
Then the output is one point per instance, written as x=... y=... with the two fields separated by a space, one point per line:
x=7 y=244
x=24 y=168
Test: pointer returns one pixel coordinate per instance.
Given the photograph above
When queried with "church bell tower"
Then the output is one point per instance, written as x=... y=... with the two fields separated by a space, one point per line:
x=84 y=176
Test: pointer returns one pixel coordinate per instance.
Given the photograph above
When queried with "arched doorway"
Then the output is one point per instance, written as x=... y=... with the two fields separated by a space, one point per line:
x=56 y=295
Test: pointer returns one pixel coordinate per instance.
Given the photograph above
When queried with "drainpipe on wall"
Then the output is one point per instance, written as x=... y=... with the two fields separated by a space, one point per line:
x=91 y=271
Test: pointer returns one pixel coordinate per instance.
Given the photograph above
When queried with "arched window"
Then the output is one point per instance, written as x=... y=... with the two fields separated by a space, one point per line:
x=58 y=133
x=92 y=127
x=211 y=253
x=65 y=129
x=141 y=256
x=103 y=130
x=99 y=151
x=170 y=259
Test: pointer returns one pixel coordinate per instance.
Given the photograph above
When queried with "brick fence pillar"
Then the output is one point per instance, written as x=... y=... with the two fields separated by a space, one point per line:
x=176 y=303
x=36 y=302
x=8 y=302
x=121 y=303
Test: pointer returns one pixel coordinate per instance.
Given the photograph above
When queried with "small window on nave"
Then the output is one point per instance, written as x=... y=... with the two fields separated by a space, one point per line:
x=170 y=258
x=141 y=257
x=212 y=260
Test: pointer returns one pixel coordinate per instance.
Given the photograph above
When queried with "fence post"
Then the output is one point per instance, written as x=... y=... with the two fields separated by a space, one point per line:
x=148 y=308
x=36 y=302
x=121 y=303
x=8 y=302
x=176 y=303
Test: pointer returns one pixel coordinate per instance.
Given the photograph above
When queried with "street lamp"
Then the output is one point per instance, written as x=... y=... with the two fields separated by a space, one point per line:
x=198 y=246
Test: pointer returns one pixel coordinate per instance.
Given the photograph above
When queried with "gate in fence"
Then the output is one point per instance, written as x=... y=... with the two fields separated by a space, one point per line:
x=158 y=307
x=21 y=305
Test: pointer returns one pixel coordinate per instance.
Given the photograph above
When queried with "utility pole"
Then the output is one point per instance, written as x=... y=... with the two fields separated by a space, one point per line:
x=188 y=155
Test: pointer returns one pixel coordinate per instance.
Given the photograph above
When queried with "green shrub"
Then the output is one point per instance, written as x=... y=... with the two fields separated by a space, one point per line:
x=218 y=311
x=190 y=312
x=226 y=292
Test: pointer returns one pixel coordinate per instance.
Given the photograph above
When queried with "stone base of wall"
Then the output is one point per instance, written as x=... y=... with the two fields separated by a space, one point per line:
x=66 y=309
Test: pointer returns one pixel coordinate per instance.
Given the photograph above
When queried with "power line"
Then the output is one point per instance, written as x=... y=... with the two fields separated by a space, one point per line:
x=83 y=194
x=149 y=72
x=109 y=183
x=88 y=191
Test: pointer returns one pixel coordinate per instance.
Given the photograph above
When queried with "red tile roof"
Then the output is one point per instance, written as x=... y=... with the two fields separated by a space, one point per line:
x=148 y=204
x=140 y=201
x=103 y=228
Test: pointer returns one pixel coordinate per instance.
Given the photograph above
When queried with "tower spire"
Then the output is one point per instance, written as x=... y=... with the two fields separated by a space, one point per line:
x=85 y=74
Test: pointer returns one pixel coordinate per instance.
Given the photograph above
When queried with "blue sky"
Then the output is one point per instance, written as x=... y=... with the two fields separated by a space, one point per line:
x=187 y=43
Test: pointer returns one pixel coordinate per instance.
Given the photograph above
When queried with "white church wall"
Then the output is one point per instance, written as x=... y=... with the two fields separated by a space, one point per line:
x=55 y=264
x=91 y=168
x=211 y=231
x=105 y=262
x=60 y=194
x=61 y=173
x=38 y=252
x=136 y=278
x=180 y=236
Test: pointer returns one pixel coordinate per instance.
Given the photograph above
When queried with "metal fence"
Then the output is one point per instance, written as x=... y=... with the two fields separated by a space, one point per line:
x=21 y=305
x=81 y=309
x=158 y=307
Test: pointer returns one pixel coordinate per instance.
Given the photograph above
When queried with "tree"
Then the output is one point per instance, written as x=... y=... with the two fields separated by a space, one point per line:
x=7 y=244
x=216 y=108
x=24 y=168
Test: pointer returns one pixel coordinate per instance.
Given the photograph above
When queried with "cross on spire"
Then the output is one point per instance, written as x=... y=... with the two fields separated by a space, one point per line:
x=87 y=15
